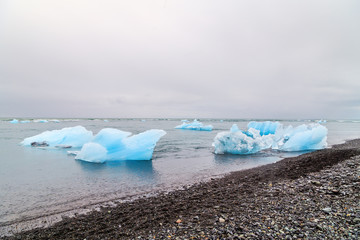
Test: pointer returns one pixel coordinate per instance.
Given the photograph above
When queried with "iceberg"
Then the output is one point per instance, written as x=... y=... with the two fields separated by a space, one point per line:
x=301 y=138
x=71 y=136
x=114 y=145
x=265 y=128
x=54 y=120
x=14 y=121
x=41 y=121
x=195 y=125
x=240 y=142
x=261 y=136
x=25 y=121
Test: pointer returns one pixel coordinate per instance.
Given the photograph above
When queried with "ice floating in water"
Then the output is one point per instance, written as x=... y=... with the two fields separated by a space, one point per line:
x=54 y=120
x=265 y=128
x=14 y=121
x=301 y=138
x=71 y=136
x=237 y=142
x=112 y=145
x=41 y=121
x=108 y=145
x=25 y=121
x=195 y=125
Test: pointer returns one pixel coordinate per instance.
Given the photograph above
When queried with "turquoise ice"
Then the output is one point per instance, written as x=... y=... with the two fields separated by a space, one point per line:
x=114 y=145
x=195 y=125
x=271 y=135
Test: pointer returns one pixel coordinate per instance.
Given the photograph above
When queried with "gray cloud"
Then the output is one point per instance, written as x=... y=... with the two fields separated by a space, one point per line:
x=239 y=59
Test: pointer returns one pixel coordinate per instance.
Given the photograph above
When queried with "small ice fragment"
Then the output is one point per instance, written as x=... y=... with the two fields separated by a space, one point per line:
x=14 y=121
x=195 y=125
x=41 y=121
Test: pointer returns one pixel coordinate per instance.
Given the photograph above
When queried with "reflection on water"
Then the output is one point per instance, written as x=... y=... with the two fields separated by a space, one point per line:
x=143 y=170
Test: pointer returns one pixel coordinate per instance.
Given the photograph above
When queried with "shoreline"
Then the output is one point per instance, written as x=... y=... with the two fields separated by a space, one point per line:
x=203 y=209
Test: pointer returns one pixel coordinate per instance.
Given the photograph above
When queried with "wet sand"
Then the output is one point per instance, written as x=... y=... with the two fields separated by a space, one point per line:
x=312 y=196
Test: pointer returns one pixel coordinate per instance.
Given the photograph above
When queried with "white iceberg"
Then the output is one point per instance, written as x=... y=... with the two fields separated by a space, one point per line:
x=300 y=138
x=25 y=121
x=14 y=121
x=195 y=125
x=71 y=136
x=240 y=142
x=41 y=121
x=113 y=145
x=54 y=120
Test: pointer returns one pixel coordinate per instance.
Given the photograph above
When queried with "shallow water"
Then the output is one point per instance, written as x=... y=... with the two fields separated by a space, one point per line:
x=36 y=182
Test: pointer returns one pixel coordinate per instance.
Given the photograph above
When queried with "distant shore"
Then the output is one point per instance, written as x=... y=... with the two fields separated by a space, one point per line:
x=314 y=195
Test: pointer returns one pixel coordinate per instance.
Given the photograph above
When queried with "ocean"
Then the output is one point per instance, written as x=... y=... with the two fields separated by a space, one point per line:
x=36 y=182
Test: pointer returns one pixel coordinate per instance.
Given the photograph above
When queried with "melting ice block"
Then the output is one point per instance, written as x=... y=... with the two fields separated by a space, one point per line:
x=300 y=138
x=112 y=145
x=195 y=125
x=71 y=136
x=240 y=142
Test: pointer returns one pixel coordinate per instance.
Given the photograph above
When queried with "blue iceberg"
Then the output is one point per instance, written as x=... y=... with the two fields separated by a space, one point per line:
x=113 y=145
x=195 y=125
x=261 y=136
x=14 y=121
x=301 y=138
x=71 y=136
x=265 y=128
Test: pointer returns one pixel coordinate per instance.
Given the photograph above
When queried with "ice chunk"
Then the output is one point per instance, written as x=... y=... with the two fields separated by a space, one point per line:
x=195 y=125
x=322 y=121
x=118 y=146
x=239 y=142
x=300 y=138
x=265 y=128
x=14 y=121
x=25 y=121
x=54 y=120
x=73 y=136
x=234 y=128
x=41 y=121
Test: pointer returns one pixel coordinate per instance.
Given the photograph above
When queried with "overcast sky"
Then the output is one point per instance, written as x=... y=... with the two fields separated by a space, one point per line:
x=180 y=58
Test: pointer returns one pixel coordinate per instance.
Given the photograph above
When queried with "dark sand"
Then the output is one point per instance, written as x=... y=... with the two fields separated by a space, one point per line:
x=312 y=196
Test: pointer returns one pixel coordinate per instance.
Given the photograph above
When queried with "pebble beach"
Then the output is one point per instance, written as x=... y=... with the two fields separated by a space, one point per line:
x=312 y=196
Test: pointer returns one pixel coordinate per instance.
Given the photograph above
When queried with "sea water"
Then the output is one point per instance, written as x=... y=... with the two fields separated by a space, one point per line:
x=35 y=182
